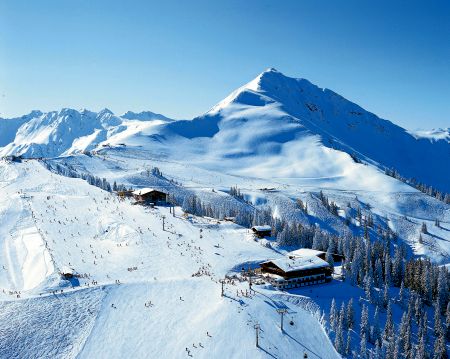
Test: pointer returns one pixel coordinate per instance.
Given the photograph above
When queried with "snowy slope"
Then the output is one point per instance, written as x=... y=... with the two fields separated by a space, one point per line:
x=138 y=280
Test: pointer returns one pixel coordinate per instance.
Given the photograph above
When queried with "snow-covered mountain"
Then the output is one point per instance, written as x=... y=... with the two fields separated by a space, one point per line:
x=273 y=124
x=68 y=131
x=288 y=120
x=148 y=283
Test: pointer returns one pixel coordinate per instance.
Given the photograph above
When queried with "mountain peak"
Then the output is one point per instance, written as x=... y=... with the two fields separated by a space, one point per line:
x=105 y=111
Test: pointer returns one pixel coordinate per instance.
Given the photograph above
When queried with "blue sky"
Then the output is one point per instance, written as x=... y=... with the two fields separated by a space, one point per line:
x=181 y=57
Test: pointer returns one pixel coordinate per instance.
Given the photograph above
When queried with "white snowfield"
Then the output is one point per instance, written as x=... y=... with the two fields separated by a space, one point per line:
x=144 y=292
x=149 y=292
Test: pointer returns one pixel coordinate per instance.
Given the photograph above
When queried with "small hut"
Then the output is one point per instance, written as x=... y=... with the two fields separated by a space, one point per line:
x=262 y=231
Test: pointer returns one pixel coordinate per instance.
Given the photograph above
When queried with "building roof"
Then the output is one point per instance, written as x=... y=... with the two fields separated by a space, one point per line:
x=262 y=228
x=67 y=270
x=305 y=252
x=142 y=191
x=299 y=263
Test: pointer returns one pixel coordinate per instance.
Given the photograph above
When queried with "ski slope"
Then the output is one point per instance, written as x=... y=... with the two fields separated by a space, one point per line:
x=144 y=292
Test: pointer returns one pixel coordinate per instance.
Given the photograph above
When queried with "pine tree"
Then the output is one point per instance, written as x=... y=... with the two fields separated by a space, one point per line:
x=339 y=339
x=378 y=273
x=364 y=329
x=437 y=318
x=387 y=269
x=377 y=354
x=440 y=350
x=447 y=321
x=329 y=257
x=442 y=287
x=368 y=286
x=407 y=345
x=385 y=301
x=421 y=349
x=333 y=315
x=363 y=347
x=350 y=314
x=418 y=309
x=375 y=332
x=396 y=353
x=348 y=345
x=343 y=316
x=389 y=327
x=424 y=329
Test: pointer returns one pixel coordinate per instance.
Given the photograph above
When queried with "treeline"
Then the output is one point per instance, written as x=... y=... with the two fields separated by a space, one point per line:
x=69 y=171
x=244 y=214
x=429 y=190
x=376 y=267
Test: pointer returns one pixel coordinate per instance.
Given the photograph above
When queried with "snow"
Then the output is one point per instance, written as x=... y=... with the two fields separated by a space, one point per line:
x=293 y=264
x=276 y=133
x=157 y=288
x=143 y=191
x=436 y=134
x=305 y=252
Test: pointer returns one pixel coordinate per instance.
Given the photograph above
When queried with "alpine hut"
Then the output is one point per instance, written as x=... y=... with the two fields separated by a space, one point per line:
x=262 y=231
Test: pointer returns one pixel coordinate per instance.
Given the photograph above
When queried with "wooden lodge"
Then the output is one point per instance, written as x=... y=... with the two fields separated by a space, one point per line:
x=150 y=195
x=296 y=271
x=262 y=231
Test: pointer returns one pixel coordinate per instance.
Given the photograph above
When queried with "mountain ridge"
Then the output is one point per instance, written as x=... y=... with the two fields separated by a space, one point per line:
x=265 y=116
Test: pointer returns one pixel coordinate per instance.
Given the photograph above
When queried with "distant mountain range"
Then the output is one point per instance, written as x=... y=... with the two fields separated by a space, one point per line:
x=273 y=124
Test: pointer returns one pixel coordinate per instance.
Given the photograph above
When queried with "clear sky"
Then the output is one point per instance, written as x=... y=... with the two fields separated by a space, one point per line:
x=181 y=57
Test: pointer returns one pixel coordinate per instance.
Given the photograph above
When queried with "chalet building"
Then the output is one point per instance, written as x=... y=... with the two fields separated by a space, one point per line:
x=295 y=272
x=150 y=195
x=262 y=231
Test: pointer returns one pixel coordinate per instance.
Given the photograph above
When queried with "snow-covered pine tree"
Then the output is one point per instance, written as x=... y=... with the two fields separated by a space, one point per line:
x=350 y=314
x=333 y=315
x=339 y=339
x=438 y=330
x=375 y=332
x=389 y=326
x=363 y=347
x=440 y=350
x=348 y=343
x=364 y=325
x=447 y=321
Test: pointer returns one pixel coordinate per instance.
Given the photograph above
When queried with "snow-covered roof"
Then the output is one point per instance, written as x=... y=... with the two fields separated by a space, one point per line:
x=67 y=270
x=305 y=252
x=262 y=228
x=299 y=263
x=142 y=191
